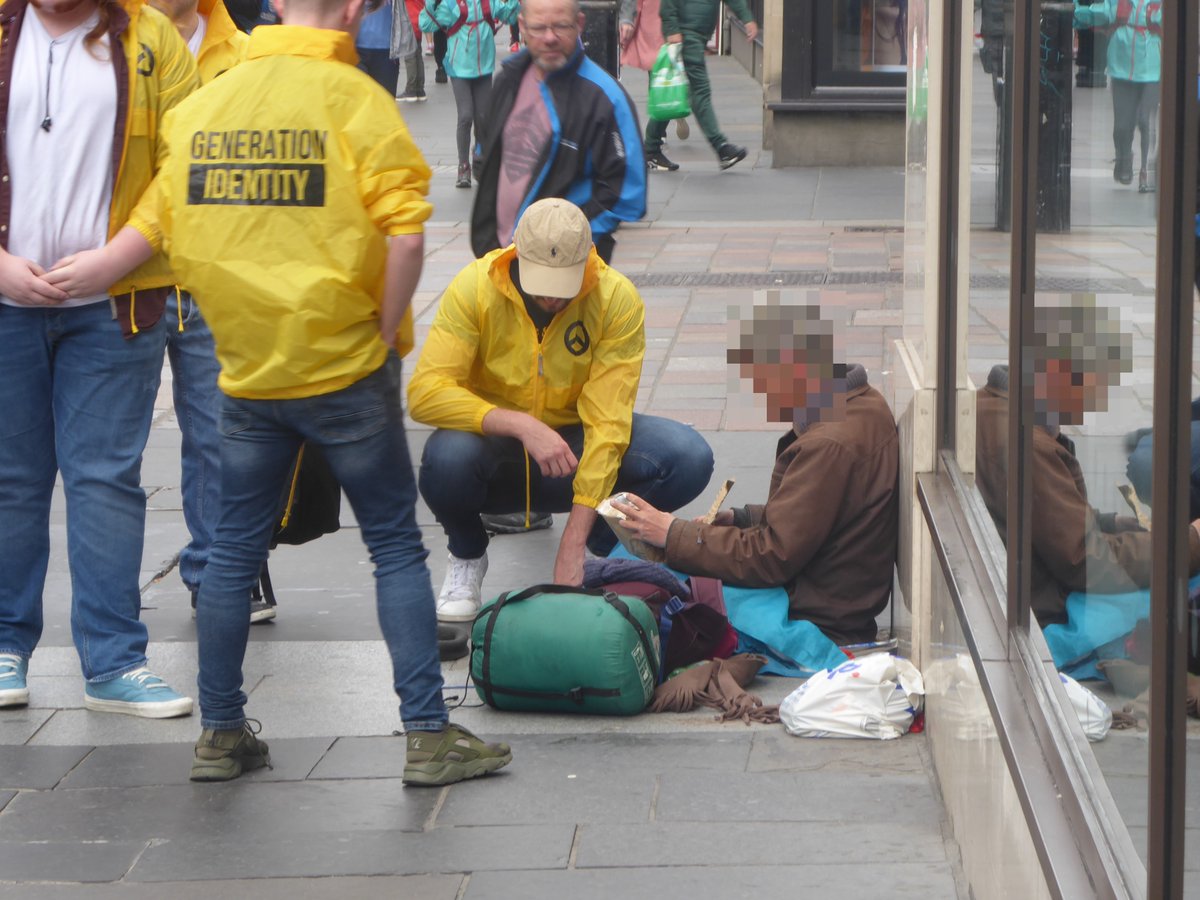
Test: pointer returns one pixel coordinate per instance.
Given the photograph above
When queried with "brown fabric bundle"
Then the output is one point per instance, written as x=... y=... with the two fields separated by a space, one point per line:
x=1136 y=714
x=719 y=684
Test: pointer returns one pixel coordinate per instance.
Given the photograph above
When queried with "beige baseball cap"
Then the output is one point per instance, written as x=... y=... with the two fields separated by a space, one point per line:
x=553 y=241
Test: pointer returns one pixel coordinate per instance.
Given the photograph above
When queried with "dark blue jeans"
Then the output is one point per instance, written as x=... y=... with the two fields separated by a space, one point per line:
x=194 y=371
x=361 y=431
x=75 y=398
x=667 y=464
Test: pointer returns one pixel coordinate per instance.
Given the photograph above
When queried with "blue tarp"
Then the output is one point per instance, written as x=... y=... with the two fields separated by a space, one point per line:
x=1096 y=628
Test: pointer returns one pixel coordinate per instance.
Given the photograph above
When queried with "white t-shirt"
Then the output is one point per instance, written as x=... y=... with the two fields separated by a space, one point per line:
x=62 y=176
x=197 y=37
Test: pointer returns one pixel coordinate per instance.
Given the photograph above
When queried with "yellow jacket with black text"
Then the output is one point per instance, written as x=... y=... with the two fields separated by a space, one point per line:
x=483 y=352
x=283 y=179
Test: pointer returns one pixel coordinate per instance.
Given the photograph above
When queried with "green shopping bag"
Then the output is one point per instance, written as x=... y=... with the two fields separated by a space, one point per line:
x=668 y=97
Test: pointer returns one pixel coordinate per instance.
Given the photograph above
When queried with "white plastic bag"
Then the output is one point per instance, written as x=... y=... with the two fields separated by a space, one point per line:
x=873 y=697
x=1094 y=714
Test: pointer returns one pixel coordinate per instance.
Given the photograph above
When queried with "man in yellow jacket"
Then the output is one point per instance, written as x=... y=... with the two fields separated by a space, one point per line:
x=292 y=204
x=530 y=373
x=84 y=85
x=211 y=36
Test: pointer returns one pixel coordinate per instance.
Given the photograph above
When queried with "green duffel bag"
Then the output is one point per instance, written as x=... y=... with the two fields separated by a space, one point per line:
x=551 y=648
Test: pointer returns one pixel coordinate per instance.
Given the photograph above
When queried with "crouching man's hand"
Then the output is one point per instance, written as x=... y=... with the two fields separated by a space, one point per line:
x=646 y=522
x=544 y=445
x=568 y=565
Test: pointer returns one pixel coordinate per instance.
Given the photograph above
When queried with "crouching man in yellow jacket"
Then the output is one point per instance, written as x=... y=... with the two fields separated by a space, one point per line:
x=530 y=373
x=291 y=204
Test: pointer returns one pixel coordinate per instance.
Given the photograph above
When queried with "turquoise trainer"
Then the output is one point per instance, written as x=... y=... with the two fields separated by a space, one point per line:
x=13 y=690
x=137 y=693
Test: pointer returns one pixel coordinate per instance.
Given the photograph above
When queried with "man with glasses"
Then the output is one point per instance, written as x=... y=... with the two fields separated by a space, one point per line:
x=559 y=126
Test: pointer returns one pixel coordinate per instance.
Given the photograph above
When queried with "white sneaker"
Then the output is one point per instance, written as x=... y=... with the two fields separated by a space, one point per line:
x=460 y=598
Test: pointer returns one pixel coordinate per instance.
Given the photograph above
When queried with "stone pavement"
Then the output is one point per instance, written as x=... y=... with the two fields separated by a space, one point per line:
x=647 y=807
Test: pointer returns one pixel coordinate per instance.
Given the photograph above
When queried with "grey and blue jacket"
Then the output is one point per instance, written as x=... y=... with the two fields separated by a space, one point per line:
x=594 y=157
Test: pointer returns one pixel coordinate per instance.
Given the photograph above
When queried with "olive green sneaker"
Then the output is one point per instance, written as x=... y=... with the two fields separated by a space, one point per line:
x=450 y=755
x=223 y=754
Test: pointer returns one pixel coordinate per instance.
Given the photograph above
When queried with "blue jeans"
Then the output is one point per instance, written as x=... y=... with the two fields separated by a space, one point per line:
x=77 y=398
x=463 y=474
x=194 y=368
x=361 y=431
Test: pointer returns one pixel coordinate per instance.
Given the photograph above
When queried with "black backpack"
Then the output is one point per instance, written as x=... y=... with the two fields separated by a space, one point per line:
x=311 y=506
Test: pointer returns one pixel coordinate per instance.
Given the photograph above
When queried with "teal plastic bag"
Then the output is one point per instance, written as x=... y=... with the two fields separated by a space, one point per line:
x=668 y=97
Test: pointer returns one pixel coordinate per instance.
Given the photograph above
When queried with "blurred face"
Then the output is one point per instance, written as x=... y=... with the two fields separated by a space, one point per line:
x=551 y=30
x=1068 y=394
x=790 y=385
x=66 y=12
x=175 y=10
x=552 y=305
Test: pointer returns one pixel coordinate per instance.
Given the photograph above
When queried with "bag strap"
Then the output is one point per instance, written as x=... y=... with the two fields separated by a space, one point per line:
x=463 y=12
x=517 y=596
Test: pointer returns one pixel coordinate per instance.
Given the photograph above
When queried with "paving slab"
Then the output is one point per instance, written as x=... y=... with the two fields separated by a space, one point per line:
x=427 y=887
x=529 y=796
x=82 y=861
x=778 y=751
x=5 y=796
x=756 y=844
x=791 y=797
x=17 y=726
x=195 y=811
x=37 y=768
x=896 y=881
x=148 y=765
x=337 y=852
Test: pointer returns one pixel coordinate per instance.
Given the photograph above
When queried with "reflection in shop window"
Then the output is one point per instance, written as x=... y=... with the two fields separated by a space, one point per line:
x=869 y=35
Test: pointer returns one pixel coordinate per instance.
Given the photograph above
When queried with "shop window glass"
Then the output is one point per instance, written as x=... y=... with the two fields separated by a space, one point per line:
x=861 y=43
x=1091 y=358
x=1093 y=362
x=869 y=35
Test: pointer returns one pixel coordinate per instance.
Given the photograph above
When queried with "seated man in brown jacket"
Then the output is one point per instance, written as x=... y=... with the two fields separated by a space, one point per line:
x=1079 y=353
x=828 y=531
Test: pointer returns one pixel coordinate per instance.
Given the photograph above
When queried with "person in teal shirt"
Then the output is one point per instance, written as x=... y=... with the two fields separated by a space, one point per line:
x=470 y=61
x=1135 y=69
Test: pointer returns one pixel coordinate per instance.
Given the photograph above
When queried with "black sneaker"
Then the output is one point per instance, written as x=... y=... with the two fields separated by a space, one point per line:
x=657 y=162
x=260 y=609
x=464 y=176
x=440 y=76
x=730 y=155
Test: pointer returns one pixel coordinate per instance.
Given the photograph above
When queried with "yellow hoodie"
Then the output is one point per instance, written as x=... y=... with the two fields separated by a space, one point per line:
x=282 y=181
x=160 y=73
x=223 y=46
x=483 y=352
